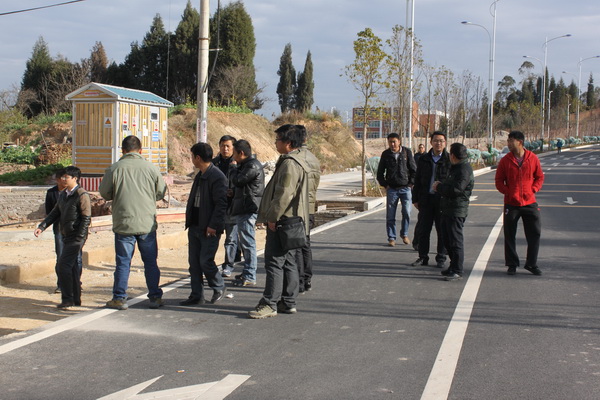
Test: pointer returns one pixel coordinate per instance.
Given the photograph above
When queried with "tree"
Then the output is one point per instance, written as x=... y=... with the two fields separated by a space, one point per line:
x=154 y=52
x=399 y=65
x=590 y=99
x=369 y=75
x=306 y=85
x=287 y=80
x=184 y=68
x=98 y=63
x=445 y=93
x=38 y=70
x=232 y=32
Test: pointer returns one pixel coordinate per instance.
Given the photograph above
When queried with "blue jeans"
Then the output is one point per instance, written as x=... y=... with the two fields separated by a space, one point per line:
x=231 y=242
x=124 y=249
x=247 y=241
x=403 y=194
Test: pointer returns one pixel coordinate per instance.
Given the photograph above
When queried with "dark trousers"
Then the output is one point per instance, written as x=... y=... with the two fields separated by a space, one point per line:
x=58 y=247
x=452 y=234
x=533 y=228
x=430 y=215
x=304 y=258
x=282 y=273
x=68 y=272
x=201 y=257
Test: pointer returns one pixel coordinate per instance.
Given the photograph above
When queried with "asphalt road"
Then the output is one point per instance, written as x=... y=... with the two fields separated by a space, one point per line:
x=372 y=327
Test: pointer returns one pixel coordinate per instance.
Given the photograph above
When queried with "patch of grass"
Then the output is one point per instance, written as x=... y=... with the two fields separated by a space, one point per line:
x=18 y=155
x=52 y=119
x=36 y=176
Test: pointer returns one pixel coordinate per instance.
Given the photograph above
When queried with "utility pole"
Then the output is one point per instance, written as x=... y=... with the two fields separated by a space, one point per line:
x=202 y=92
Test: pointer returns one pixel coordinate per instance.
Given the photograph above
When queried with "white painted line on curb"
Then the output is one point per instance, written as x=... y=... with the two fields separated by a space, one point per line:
x=442 y=374
x=78 y=320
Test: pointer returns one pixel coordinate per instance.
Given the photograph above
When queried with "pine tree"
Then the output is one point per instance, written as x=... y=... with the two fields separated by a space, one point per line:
x=306 y=85
x=184 y=68
x=154 y=55
x=233 y=34
x=287 y=80
x=38 y=71
x=98 y=63
x=590 y=96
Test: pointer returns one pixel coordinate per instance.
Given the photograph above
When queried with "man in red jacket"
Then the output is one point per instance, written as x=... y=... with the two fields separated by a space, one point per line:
x=519 y=177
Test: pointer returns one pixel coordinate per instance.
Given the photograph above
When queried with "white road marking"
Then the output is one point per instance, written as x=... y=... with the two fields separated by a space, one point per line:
x=209 y=391
x=570 y=201
x=441 y=376
x=76 y=321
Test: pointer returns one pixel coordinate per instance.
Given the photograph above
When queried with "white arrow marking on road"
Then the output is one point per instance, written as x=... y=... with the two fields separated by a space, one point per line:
x=570 y=200
x=472 y=198
x=209 y=391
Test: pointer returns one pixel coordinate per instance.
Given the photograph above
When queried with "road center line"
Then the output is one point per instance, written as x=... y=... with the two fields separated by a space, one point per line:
x=442 y=374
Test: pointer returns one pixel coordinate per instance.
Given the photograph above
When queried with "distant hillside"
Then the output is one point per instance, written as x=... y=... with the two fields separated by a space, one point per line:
x=330 y=140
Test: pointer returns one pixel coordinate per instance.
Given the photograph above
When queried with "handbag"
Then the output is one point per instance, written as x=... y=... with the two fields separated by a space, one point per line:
x=291 y=232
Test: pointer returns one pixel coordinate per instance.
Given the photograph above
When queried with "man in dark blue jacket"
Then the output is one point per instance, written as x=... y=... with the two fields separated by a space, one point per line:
x=432 y=166
x=204 y=217
x=248 y=181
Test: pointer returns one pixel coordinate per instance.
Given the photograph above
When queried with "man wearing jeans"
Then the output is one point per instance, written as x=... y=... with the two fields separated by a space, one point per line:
x=248 y=180
x=134 y=185
x=396 y=173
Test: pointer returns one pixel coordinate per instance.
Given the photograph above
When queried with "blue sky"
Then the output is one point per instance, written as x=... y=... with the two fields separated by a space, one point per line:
x=327 y=29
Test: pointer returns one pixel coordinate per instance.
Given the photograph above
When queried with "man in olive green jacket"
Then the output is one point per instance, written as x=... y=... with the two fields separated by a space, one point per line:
x=286 y=195
x=134 y=185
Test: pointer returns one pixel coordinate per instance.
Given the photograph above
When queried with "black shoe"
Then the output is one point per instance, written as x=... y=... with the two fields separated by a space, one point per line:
x=308 y=286
x=283 y=309
x=218 y=295
x=534 y=270
x=192 y=301
x=65 y=305
x=511 y=271
x=453 y=277
x=440 y=264
x=78 y=302
x=446 y=272
x=301 y=289
x=420 y=261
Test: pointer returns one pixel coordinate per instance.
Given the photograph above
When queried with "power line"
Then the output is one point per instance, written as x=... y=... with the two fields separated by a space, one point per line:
x=39 y=8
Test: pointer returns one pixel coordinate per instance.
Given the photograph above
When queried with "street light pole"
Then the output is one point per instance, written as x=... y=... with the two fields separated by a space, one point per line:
x=579 y=89
x=549 y=108
x=545 y=47
x=202 y=90
x=492 y=63
x=412 y=67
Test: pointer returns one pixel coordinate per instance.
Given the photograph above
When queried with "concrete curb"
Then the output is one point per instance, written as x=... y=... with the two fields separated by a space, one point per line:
x=39 y=269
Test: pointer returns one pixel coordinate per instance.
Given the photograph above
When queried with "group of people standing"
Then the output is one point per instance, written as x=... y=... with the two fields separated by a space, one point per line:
x=439 y=184
x=228 y=195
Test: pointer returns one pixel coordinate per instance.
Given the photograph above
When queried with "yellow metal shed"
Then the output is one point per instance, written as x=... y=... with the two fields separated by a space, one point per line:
x=103 y=115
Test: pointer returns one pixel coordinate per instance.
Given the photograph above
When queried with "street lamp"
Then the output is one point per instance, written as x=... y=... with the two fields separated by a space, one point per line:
x=579 y=88
x=545 y=47
x=549 y=108
x=569 y=100
x=492 y=38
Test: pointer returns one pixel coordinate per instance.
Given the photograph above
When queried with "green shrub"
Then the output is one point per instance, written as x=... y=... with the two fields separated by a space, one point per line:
x=18 y=155
x=35 y=176
x=52 y=119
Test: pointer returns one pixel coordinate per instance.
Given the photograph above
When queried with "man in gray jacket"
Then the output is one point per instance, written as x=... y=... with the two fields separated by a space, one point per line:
x=285 y=196
x=134 y=185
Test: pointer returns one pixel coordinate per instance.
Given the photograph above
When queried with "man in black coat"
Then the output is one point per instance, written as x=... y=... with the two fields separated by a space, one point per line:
x=433 y=166
x=456 y=191
x=248 y=181
x=204 y=217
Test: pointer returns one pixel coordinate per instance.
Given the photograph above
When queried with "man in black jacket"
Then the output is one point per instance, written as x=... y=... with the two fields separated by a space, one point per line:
x=204 y=217
x=248 y=181
x=455 y=191
x=74 y=212
x=396 y=173
x=432 y=166
x=226 y=163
